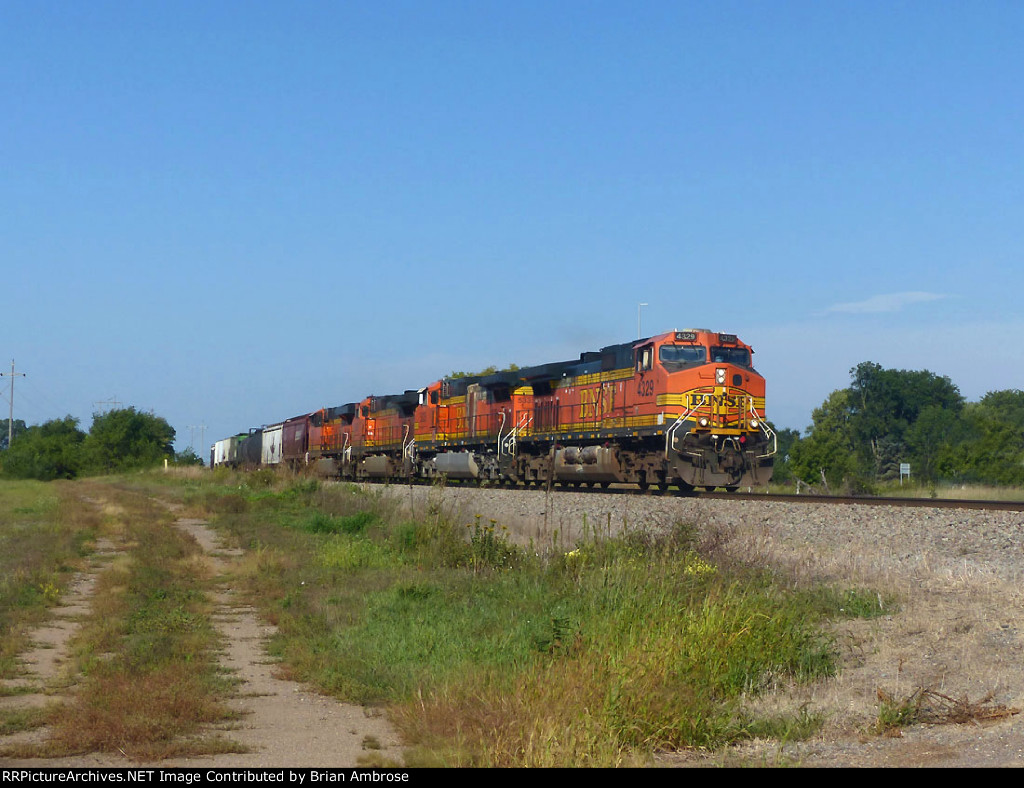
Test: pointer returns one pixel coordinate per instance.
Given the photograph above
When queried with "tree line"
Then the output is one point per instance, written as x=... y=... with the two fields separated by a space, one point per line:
x=119 y=440
x=861 y=434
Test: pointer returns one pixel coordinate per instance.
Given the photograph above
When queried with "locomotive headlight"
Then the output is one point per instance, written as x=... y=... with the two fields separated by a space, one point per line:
x=754 y=424
x=720 y=377
x=703 y=421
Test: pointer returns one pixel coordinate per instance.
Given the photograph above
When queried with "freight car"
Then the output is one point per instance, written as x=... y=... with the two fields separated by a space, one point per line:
x=683 y=408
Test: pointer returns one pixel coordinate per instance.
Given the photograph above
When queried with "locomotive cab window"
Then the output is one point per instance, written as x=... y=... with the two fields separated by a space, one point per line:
x=676 y=357
x=739 y=356
x=644 y=358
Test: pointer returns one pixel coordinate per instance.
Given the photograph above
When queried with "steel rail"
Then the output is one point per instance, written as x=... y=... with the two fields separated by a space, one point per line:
x=869 y=500
x=674 y=492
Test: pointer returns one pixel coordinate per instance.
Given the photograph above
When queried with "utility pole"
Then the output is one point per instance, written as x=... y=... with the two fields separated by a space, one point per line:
x=10 y=419
x=113 y=401
x=639 y=333
x=202 y=435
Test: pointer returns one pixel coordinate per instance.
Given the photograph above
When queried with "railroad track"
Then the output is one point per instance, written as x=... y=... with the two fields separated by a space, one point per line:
x=869 y=500
x=858 y=500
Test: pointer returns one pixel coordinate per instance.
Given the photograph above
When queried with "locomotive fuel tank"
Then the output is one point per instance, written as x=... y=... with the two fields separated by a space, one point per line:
x=587 y=464
x=457 y=465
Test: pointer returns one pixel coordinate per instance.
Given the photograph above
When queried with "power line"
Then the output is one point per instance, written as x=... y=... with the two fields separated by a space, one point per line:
x=202 y=435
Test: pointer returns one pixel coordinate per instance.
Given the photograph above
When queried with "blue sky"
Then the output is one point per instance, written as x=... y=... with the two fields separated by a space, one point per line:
x=231 y=213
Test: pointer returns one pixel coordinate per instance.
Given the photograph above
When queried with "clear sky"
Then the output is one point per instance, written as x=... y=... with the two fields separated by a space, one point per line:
x=231 y=213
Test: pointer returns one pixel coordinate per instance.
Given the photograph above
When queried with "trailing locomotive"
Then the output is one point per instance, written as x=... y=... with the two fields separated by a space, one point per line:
x=684 y=408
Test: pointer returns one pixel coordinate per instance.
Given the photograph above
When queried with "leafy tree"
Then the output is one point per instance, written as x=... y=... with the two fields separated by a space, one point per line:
x=786 y=439
x=188 y=457
x=934 y=443
x=827 y=453
x=994 y=449
x=19 y=427
x=53 y=450
x=884 y=403
x=486 y=371
x=124 y=439
x=1006 y=407
x=889 y=416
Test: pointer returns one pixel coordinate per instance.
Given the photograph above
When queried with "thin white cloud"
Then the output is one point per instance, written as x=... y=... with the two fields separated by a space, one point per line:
x=888 y=302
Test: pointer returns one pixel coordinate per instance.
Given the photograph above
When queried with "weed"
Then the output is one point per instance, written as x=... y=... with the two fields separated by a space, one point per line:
x=932 y=708
x=261 y=479
x=18 y=720
x=849 y=603
x=489 y=546
x=802 y=725
x=895 y=714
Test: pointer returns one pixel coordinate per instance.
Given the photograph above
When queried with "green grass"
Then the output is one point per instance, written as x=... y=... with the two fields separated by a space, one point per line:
x=491 y=655
x=44 y=536
x=19 y=720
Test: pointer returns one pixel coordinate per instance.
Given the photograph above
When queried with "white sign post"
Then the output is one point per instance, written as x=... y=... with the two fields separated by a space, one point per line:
x=904 y=471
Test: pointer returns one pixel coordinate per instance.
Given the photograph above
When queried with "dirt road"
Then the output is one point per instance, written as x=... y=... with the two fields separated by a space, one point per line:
x=283 y=724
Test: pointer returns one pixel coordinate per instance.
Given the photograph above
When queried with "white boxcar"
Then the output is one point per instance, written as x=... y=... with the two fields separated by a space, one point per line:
x=226 y=451
x=220 y=452
x=273 y=444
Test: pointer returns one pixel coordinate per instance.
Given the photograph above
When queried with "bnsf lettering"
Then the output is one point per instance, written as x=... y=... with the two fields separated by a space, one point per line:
x=588 y=404
x=591 y=399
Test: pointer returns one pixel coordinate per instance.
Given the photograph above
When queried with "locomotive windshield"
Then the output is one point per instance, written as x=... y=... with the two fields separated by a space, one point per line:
x=674 y=357
x=731 y=355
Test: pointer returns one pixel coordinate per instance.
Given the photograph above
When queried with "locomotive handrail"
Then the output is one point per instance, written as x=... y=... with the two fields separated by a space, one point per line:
x=500 y=428
x=670 y=432
x=510 y=439
x=768 y=431
x=408 y=448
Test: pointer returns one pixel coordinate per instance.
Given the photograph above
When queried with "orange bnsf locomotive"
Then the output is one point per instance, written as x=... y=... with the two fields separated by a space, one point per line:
x=684 y=408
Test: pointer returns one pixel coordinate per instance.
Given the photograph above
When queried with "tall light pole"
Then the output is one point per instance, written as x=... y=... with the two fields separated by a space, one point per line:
x=639 y=332
x=10 y=419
